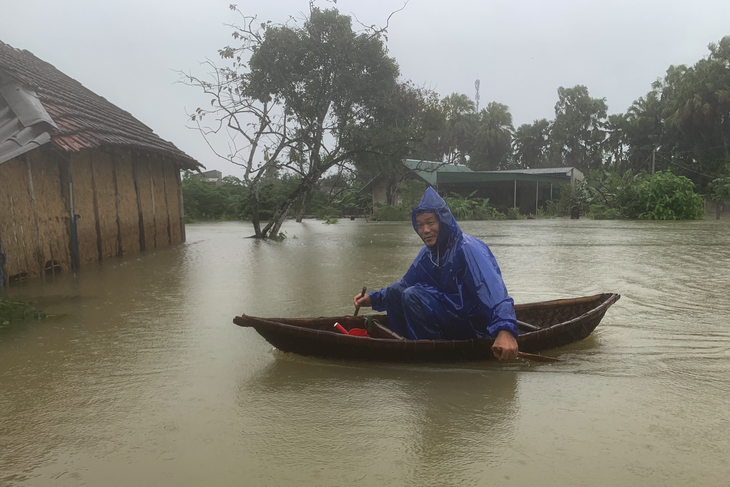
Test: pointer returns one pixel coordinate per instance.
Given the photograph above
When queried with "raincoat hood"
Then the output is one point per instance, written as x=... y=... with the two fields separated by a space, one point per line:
x=449 y=230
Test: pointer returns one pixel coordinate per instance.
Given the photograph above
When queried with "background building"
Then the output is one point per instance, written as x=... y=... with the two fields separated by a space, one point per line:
x=522 y=188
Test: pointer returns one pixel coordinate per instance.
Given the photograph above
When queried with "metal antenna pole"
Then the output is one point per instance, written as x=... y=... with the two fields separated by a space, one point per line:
x=476 y=98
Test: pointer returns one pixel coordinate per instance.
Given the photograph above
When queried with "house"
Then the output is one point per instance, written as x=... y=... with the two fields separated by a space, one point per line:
x=526 y=189
x=213 y=177
x=81 y=180
x=385 y=187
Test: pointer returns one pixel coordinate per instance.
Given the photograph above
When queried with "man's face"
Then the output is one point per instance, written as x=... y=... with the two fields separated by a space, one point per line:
x=428 y=228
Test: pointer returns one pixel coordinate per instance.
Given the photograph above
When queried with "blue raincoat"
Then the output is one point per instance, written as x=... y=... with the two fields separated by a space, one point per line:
x=453 y=290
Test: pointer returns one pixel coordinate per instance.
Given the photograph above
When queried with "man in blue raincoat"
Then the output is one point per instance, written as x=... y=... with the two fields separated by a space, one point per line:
x=454 y=288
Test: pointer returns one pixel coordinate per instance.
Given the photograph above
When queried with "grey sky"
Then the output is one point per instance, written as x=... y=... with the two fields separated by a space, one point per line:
x=522 y=51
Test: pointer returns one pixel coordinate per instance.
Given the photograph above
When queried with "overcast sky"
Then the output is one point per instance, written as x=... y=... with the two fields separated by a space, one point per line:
x=521 y=50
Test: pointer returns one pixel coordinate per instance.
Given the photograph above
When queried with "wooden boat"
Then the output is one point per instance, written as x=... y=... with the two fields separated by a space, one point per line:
x=542 y=326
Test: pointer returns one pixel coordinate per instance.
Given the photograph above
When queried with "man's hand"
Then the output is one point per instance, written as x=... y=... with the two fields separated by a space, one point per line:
x=359 y=301
x=504 y=346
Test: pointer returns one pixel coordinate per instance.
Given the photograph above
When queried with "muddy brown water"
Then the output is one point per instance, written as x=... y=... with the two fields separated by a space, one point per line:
x=140 y=378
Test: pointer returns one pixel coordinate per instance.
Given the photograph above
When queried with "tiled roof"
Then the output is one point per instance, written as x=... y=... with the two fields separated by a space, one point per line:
x=84 y=119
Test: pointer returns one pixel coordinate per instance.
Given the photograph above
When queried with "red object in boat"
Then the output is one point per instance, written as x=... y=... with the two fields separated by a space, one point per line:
x=357 y=332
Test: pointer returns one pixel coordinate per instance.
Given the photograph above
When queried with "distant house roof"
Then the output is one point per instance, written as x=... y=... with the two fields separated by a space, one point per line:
x=75 y=117
x=439 y=173
x=211 y=174
x=429 y=170
x=426 y=170
x=546 y=175
x=556 y=171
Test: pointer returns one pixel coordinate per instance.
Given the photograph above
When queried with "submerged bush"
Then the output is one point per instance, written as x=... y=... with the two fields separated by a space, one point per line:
x=329 y=214
x=665 y=196
x=514 y=214
x=660 y=196
x=472 y=208
x=490 y=213
x=552 y=209
x=719 y=189
x=567 y=199
x=601 y=212
x=18 y=311
x=390 y=213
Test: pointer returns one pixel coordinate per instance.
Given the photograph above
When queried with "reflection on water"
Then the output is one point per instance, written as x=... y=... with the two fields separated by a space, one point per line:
x=423 y=422
x=139 y=377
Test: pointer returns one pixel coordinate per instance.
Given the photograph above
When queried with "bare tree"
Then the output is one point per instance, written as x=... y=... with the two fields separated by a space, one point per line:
x=303 y=98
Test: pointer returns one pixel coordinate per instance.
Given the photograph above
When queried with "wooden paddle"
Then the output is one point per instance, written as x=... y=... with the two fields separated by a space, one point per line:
x=538 y=358
x=357 y=308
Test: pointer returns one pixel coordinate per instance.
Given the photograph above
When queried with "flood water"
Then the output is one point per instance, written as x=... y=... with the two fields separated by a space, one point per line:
x=140 y=378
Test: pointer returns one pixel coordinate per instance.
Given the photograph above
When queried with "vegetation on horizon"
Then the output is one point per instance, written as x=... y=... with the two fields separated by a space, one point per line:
x=231 y=201
x=302 y=103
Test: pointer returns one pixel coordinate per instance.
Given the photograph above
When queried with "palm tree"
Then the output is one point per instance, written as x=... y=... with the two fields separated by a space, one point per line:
x=642 y=130
x=457 y=138
x=578 y=133
x=493 y=141
x=530 y=144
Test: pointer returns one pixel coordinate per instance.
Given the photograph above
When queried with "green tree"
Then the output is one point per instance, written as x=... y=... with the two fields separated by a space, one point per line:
x=428 y=145
x=616 y=142
x=578 y=131
x=421 y=122
x=206 y=201
x=696 y=115
x=304 y=98
x=642 y=132
x=531 y=144
x=457 y=139
x=719 y=189
x=609 y=194
x=493 y=138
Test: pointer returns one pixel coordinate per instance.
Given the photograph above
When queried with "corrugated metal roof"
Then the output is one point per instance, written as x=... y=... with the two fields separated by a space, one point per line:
x=436 y=173
x=562 y=171
x=24 y=124
x=428 y=170
x=84 y=119
x=493 y=176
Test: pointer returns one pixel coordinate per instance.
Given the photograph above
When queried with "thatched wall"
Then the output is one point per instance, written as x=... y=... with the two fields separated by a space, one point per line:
x=145 y=203
x=17 y=223
x=173 y=195
x=50 y=209
x=83 y=196
x=33 y=217
x=127 y=202
x=105 y=207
